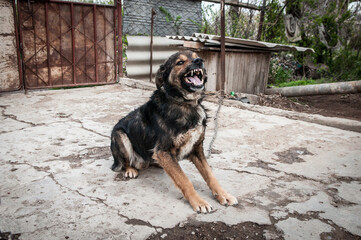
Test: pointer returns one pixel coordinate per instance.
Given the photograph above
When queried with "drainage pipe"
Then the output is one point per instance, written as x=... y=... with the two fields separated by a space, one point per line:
x=318 y=89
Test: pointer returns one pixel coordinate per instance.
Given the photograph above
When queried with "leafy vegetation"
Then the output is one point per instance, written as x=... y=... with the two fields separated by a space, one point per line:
x=301 y=82
x=241 y=23
x=125 y=57
x=278 y=74
x=332 y=28
x=175 y=21
x=274 y=27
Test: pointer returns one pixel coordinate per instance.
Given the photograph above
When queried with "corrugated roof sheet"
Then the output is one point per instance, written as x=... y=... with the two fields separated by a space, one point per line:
x=215 y=40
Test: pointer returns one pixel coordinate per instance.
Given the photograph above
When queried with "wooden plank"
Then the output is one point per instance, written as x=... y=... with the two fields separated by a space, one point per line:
x=232 y=71
x=253 y=70
x=240 y=71
x=245 y=72
x=238 y=4
x=266 y=72
x=211 y=63
x=191 y=44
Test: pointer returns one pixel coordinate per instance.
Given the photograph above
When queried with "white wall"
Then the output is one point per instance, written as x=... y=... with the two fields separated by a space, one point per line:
x=138 y=54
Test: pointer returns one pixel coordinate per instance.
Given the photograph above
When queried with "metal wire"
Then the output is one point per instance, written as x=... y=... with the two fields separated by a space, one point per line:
x=220 y=102
x=137 y=17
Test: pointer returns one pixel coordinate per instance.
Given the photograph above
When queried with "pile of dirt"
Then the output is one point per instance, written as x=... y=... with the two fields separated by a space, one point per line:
x=218 y=230
x=242 y=231
x=336 y=105
x=9 y=236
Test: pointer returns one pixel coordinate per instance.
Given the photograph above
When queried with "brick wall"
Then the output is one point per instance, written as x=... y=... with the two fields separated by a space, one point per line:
x=137 y=16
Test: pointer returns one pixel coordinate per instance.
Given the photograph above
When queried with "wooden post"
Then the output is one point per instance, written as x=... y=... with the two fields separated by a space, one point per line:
x=237 y=4
x=120 y=39
x=223 y=49
x=151 y=44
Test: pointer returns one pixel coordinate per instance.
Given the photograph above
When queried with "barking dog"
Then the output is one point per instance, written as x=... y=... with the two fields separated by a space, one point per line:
x=168 y=128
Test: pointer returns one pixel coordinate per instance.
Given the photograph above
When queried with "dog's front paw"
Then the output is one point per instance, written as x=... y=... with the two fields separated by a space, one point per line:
x=225 y=198
x=131 y=172
x=199 y=205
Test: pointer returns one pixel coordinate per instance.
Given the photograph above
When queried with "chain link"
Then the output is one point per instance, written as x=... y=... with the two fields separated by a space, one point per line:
x=137 y=17
x=220 y=102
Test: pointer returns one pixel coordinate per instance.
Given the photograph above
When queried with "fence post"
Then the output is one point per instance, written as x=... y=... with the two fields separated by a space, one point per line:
x=151 y=44
x=120 y=39
x=223 y=49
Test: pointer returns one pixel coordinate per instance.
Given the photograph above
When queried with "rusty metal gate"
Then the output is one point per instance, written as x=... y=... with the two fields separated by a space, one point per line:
x=69 y=44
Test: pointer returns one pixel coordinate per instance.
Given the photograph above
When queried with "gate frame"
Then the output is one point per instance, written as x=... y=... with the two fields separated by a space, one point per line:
x=118 y=44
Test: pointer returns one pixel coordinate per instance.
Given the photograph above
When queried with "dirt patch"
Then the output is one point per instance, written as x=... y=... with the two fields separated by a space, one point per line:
x=292 y=155
x=218 y=230
x=92 y=153
x=261 y=164
x=337 y=105
x=120 y=177
x=338 y=234
x=9 y=235
x=337 y=201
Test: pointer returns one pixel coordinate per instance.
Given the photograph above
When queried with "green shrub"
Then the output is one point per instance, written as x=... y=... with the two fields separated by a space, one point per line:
x=346 y=65
x=278 y=74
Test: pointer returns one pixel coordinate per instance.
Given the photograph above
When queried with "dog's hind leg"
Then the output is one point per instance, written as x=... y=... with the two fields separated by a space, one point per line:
x=123 y=154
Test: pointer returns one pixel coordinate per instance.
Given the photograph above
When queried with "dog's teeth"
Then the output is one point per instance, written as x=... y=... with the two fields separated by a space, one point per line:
x=201 y=70
x=192 y=73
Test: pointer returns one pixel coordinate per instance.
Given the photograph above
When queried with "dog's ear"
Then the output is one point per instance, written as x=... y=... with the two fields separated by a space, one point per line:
x=159 y=77
x=159 y=81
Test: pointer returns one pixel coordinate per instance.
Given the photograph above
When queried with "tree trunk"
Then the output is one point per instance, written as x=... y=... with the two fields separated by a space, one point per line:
x=261 y=20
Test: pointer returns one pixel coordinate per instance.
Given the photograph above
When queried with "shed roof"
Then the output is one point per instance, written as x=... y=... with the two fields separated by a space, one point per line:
x=215 y=40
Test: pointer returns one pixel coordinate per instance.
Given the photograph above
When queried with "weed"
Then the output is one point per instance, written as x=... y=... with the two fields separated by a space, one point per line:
x=176 y=21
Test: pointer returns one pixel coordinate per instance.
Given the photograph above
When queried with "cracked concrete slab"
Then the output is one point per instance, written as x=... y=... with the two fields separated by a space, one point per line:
x=294 y=228
x=293 y=179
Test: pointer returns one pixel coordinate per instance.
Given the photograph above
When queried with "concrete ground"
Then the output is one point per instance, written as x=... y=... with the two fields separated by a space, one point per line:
x=301 y=179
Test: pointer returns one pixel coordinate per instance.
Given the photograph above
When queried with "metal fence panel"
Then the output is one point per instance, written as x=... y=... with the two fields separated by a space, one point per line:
x=67 y=44
x=137 y=17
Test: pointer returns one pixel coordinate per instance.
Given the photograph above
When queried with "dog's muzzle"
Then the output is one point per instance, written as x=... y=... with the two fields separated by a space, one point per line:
x=194 y=79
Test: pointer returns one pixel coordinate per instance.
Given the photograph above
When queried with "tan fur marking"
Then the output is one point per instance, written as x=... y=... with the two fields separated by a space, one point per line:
x=182 y=57
x=133 y=159
x=185 y=142
x=194 y=55
x=205 y=170
x=172 y=168
x=175 y=73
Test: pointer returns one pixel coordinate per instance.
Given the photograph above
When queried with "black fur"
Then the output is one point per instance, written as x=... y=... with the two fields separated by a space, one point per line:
x=167 y=114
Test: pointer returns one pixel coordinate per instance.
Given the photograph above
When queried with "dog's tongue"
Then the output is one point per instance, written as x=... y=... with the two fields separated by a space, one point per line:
x=195 y=80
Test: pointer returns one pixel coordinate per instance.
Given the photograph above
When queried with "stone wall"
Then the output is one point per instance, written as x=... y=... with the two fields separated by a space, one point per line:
x=137 y=17
x=9 y=73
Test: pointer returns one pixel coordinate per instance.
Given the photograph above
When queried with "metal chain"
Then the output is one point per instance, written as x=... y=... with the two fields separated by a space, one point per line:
x=220 y=102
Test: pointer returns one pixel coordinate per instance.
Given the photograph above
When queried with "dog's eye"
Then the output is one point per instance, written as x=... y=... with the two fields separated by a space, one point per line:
x=180 y=63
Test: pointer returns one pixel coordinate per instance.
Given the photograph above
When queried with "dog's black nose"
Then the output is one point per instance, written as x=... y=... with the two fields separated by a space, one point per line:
x=198 y=61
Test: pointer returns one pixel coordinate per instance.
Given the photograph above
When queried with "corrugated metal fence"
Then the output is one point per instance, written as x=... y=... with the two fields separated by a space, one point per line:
x=138 y=55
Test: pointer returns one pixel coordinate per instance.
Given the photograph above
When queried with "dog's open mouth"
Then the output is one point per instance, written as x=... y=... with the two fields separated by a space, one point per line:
x=194 y=78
